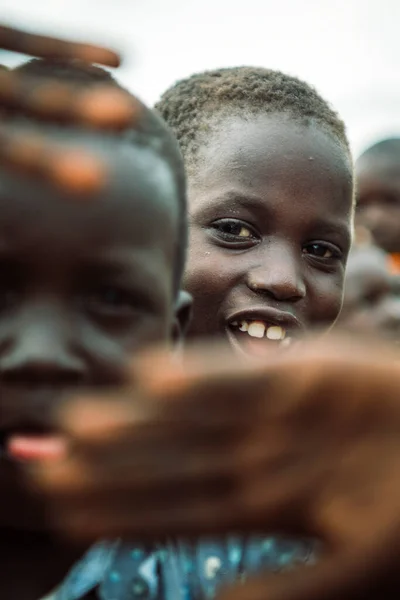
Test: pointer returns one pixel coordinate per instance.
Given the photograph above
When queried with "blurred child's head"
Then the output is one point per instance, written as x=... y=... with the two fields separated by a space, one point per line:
x=372 y=299
x=87 y=282
x=378 y=193
x=270 y=194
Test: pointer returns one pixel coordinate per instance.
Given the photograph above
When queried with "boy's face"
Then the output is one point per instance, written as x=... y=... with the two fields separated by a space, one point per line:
x=84 y=283
x=371 y=300
x=270 y=226
x=378 y=203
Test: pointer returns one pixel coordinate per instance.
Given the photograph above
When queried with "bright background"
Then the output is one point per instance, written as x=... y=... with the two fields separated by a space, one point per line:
x=348 y=49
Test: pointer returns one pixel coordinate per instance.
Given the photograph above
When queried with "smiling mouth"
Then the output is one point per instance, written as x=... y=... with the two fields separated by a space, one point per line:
x=260 y=329
x=253 y=336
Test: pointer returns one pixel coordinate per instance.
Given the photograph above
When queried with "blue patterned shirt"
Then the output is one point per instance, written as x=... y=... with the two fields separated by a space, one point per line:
x=178 y=570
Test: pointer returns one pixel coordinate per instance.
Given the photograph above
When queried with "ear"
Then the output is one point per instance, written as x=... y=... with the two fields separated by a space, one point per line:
x=183 y=314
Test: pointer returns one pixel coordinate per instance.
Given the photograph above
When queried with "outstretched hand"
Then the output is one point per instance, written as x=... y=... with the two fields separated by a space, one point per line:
x=306 y=444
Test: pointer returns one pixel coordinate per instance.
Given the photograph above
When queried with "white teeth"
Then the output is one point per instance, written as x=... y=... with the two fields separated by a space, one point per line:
x=275 y=333
x=256 y=329
x=286 y=342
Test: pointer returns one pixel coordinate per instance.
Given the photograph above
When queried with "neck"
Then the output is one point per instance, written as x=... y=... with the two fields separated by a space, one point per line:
x=33 y=564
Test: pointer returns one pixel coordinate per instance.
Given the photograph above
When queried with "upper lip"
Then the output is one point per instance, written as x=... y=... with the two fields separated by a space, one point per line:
x=268 y=315
x=27 y=410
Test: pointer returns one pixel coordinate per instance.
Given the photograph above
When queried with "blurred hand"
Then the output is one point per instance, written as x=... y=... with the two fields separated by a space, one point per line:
x=101 y=106
x=18 y=40
x=307 y=445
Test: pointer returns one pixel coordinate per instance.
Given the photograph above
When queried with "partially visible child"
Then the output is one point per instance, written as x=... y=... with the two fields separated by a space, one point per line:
x=378 y=190
x=371 y=301
x=85 y=283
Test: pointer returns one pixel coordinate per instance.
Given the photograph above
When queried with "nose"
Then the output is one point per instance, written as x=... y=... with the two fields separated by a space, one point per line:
x=40 y=350
x=278 y=275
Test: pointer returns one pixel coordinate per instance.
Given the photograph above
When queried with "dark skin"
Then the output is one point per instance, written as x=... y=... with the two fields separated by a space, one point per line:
x=291 y=264
x=84 y=286
x=371 y=301
x=165 y=416
x=378 y=190
x=270 y=219
x=313 y=450
x=25 y=552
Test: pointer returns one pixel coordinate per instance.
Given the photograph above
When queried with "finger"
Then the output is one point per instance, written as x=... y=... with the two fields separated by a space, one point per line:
x=102 y=106
x=134 y=468
x=157 y=478
x=99 y=419
x=16 y=40
x=149 y=511
x=203 y=399
x=152 y=525
x=75 y=170
x=205 y=362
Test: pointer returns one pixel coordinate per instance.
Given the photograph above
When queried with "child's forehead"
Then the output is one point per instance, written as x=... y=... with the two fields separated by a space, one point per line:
x=269 y=139
x=138 y=197
x=270 y=154
x=129 y=170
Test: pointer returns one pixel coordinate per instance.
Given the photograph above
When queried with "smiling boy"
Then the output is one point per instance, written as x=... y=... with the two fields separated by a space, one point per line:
x=270 y=191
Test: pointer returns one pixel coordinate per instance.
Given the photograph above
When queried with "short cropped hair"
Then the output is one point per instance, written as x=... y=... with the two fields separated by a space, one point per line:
x=192 y=106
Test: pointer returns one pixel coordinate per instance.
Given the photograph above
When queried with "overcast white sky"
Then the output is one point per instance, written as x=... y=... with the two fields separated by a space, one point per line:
x=348 y=49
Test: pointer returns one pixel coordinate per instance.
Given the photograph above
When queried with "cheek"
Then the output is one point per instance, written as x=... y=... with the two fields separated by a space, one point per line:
x=209 y=277
x=147 y=330
x=112 y=345
x=326 y=300
x=208 y=267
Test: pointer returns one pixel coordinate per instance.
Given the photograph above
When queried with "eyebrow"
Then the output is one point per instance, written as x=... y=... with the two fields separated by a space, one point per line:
x=118 y=268
x=230 y=200
x=116 y=264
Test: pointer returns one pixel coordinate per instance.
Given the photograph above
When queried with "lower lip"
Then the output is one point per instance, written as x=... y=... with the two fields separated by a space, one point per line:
x=30 y=448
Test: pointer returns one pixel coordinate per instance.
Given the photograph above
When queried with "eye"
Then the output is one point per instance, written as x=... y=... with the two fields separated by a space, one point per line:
x=322 y=251
x=234 y=231
x=111 y=300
